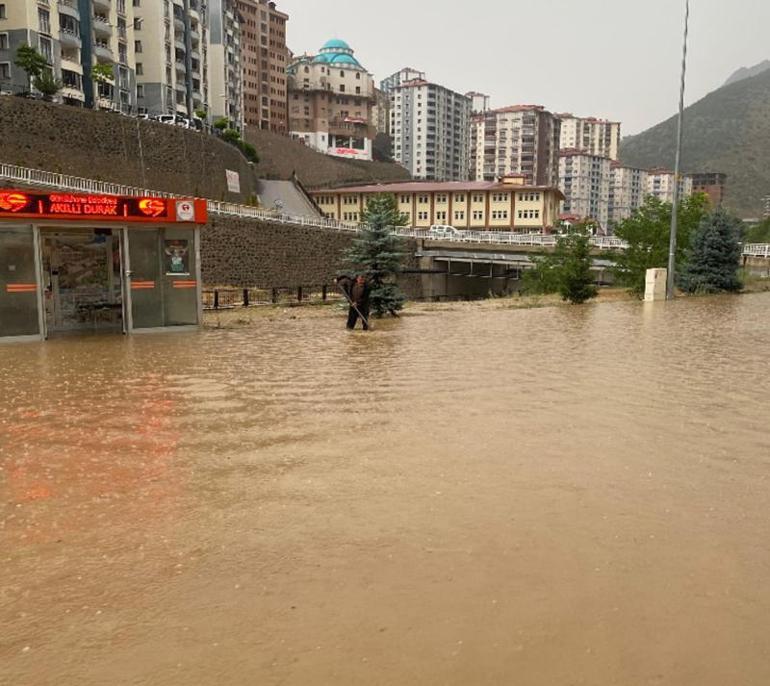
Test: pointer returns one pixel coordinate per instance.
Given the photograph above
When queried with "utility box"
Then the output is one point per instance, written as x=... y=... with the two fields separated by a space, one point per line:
x=655 y=287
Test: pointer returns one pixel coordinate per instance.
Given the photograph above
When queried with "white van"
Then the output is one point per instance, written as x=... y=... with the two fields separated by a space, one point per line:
x=444 y=231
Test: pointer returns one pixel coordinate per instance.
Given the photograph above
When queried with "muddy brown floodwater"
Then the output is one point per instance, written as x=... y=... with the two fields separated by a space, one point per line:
x=536 y=497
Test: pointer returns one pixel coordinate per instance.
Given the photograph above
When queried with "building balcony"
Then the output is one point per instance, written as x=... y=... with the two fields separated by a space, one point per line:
x=105 y=5
x=72 y=93
x=102 y=27
x=180 y=67
x=103 y=52
x=69 y=8
x=179 y=24
x=179 y=45
x=69 y=39
x=71 y=65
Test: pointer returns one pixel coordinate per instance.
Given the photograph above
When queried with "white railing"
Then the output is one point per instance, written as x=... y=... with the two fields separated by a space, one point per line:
x=77 y=184
x=757 y=250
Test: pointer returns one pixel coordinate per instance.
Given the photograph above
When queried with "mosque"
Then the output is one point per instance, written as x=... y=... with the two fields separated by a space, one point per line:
x=332 y=102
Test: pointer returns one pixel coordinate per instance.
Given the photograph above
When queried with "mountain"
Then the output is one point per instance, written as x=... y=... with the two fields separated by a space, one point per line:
x=748 y=72
x=727 y=131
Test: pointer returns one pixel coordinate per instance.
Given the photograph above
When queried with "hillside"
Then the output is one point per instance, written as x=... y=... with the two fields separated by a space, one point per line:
x=727 y=131
x=280 y=156
x=748 y=72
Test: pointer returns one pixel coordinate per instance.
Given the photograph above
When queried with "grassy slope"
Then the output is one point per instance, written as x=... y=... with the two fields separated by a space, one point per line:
x=727 y=131
x=279 y=156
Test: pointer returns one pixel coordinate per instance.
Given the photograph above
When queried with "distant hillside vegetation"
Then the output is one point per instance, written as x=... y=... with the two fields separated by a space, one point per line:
x=727 y=131
x=748 y=72
x=280 y=156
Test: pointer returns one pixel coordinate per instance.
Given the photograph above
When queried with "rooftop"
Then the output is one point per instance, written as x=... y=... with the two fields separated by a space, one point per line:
x=437 y=187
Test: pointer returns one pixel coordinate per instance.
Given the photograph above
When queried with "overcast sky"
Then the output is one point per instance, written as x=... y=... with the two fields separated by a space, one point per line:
x=616 y=59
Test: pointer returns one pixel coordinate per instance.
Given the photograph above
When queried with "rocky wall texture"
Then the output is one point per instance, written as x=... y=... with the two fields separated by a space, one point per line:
x=250 y=254
x=111 y=147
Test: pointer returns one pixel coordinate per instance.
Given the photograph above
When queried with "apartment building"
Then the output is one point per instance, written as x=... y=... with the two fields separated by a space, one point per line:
x=73 y=36
x=594 y=136
x=522 y=139
x=404 y=75
x=480 y=102
x=711 y=184
x=430 y=127
x=660 y=184
x=331 y=102
x=507 y=205
x=171 y=47
x=628 y=189
x=225 y=69
x=265 y=60
x=585 y=182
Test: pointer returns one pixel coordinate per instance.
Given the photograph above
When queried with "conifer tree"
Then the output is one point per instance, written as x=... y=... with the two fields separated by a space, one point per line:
x=572 y=259
x=377 y=253
x=714 y=257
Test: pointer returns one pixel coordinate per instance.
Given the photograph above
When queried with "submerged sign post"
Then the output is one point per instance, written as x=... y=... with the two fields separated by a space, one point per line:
x=113 y=208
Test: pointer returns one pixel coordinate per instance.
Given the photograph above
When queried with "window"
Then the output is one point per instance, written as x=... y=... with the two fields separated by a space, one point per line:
x=44 y=21
x=459 y=216
x=5 y=70
x=422 y=215
x=138 y=46
x=441 y=216
x=139 y=68
x=140 y=91
x=46 y=49
x=423 y=199
x=3 y=14
x=441 y=198
x=478 y=215
x=3 y=41
x=404 y=199
x=459 y=197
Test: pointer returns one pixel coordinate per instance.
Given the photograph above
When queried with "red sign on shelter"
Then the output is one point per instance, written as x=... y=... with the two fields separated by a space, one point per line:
x=17 y=204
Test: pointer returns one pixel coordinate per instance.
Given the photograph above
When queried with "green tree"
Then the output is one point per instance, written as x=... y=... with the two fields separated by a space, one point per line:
x=759 y=233
x=542 y=279
x=222 y=123
x=231 y=136
x=101 y=74
x=47 y=84
x=715 y=255
x=377 y=253
x=647 y=233
x=31 y=61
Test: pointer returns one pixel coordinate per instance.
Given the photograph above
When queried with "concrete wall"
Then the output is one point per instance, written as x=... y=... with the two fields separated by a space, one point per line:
x=242 y=254
x=111 y=147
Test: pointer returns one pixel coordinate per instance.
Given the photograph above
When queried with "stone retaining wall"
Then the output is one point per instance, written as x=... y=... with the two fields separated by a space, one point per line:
x=251 y=254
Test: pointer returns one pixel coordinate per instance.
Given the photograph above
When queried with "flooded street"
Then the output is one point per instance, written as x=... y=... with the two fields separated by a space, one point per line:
x=559 y=496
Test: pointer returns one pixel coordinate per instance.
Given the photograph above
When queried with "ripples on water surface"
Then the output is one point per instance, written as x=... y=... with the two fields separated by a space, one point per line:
x=534 y=497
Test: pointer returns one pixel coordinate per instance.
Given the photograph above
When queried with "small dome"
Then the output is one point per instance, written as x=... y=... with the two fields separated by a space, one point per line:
x=335 y=44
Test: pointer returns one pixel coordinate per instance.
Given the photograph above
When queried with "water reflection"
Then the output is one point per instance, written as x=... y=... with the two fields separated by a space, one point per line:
x=478 y=496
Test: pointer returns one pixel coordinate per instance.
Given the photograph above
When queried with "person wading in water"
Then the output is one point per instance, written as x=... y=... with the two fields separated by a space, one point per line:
x=359 y=303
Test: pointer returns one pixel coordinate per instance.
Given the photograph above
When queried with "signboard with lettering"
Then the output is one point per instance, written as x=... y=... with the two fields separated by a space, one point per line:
x=233 y=181
x=17 y=204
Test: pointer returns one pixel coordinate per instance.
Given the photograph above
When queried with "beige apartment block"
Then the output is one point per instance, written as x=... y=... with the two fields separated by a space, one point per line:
x=517 y=140
x=73 y=36
x=628 y=189
x=172 y=57
x=332 y=102
x=507 y=205
x=585 y=181
x=593 y=136
x=660 y=184
x=265 y=60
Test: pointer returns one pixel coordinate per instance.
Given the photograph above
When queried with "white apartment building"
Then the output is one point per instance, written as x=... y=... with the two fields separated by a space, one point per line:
x=585 y=182
x=404 y=75
x=430 y=127
x=225 y=62
x=628 y=189
x=171 y=46
x=591 y=135
x=73 y=36
x=480 y=102
x=660 y=184
x=519 y=140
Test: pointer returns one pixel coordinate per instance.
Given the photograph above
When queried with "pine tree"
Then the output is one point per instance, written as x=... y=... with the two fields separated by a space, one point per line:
x=572 y=263
x=377 y=254
x=714 y=256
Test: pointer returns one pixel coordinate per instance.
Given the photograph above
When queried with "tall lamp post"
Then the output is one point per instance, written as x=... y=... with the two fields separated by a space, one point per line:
x=675 y=208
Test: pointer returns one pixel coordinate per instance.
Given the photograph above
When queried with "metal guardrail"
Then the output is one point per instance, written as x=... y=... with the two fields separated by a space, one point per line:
x=77 y=184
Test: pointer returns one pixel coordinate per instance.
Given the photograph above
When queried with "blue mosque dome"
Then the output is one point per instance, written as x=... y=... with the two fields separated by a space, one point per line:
x=336 y=52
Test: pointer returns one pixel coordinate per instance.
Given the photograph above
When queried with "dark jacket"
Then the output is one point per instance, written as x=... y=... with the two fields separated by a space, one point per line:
x=359 y=294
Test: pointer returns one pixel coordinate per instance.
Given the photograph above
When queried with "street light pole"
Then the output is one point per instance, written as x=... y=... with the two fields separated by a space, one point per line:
x=675 y=208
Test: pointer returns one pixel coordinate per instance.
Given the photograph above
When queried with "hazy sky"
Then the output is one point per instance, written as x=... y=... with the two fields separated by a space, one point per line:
x=617 y=59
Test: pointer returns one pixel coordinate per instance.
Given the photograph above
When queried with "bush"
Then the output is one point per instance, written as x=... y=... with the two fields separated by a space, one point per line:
x=249 y=151
x=222 y=123
x=231 y=136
